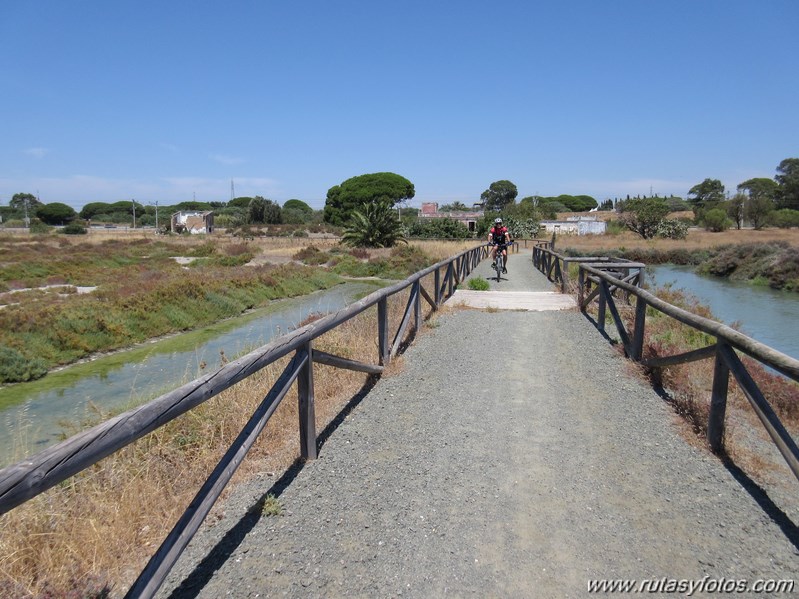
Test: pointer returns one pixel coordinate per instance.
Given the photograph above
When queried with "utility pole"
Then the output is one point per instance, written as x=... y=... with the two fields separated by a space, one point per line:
x=132 y=201
x=156 y=216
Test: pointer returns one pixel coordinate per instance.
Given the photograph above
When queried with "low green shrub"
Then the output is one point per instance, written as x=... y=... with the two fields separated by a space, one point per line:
x=716 y=220
x=352 y=267
x=614 y=227
x=16 y=368
x=312 y=256
x=672 y=229
x=74 y=229
x=438 y=228
x=476 y=284
x=39 y=227
x=783 y=271
x=784 y=218
x=136 y=307
x=227 y=261
x=203 y=251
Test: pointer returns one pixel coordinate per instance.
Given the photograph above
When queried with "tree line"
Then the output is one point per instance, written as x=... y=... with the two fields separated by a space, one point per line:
x=367 y=204
x=369 y=208
x=26 y=209
x=759 y=202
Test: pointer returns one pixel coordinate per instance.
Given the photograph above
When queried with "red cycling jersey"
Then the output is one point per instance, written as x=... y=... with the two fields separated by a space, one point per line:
x=499 y=235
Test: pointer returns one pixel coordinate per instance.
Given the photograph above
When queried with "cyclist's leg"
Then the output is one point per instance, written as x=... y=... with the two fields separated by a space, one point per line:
x=505 y=260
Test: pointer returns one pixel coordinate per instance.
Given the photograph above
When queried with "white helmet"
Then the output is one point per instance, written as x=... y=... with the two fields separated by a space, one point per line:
x=497 y=221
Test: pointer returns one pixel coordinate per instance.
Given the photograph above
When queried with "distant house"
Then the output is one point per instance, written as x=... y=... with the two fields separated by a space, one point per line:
x=193 y=222
x=575 y=225
x=430 y=210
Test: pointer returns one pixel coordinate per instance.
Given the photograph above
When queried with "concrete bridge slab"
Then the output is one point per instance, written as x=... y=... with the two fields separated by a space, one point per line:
x=534 y=301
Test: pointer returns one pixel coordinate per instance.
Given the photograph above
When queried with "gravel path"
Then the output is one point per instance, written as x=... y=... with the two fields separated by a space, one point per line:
x=522 y=276
x=472 y=475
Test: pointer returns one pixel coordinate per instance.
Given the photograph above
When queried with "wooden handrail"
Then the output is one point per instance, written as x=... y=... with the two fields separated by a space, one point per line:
x=763 y=353
x=556 y=266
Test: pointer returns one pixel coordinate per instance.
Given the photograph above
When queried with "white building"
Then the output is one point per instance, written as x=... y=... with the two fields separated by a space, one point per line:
x=575 y=225
x=193 y=222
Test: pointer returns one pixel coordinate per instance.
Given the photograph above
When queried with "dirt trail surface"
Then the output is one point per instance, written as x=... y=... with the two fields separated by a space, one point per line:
x=514 y=456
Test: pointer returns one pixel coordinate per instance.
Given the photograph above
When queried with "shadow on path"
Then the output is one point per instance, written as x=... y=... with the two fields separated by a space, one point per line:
x=203 y=572
x=788 y=527
x=779 y=517
x=770 y=509
x=602 y=332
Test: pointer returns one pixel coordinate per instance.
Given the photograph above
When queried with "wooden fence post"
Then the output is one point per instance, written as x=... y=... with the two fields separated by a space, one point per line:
x=382 y=329
x=637 y=350
x=450 y=277
x=718 y=401
x=437 y=284
x=600 y=318
x=417 y=305
x=580 y=290
x=306 y=407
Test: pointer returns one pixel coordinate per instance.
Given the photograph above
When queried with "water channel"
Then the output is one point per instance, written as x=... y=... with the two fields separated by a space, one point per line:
x=35 y=415
x=38 y=414
x=765 y=314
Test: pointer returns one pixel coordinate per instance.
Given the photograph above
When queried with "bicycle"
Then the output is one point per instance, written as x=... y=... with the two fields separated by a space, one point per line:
x=499 y=262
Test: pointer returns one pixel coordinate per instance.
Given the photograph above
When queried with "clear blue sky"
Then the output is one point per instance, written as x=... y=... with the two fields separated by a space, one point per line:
x=169 y=100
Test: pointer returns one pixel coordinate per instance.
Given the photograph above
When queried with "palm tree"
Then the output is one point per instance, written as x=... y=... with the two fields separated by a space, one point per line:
x=373 y=225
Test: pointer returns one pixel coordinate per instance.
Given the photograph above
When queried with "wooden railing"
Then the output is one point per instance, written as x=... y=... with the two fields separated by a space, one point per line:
x=604 y=281
x=29 y=478
x=556 y=266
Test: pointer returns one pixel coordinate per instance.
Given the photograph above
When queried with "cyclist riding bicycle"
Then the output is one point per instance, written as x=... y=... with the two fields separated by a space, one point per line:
x=499 y=237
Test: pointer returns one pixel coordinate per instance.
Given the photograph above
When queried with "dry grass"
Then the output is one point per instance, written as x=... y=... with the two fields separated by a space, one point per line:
x=697 y=240
x=98 y=529
x=284 y=248
x=441 y=249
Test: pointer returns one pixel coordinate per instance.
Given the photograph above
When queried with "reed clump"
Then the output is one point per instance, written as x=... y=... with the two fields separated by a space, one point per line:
x=92 y=535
